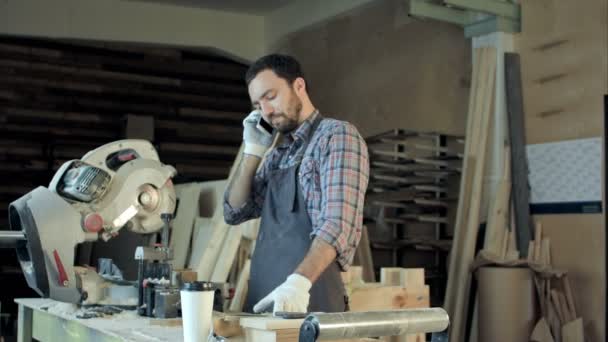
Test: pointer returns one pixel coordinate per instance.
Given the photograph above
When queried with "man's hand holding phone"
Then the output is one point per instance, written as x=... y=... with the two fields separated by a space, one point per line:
x=257 y=134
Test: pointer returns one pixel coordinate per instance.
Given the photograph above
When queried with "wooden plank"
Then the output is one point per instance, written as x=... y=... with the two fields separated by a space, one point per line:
x=541 y=332
x=519 y=165
x=182 y=225
x=207 y=247
x=497 y=226
x=226 y=257
x=392 y=154
x=573 y=331
x=402 y=195
x=240 y=292
x=468 y=222
x=363 y=256
x=568 y=316
x=404 y=180
x=569 y=295
x=558 y=307
x=391 y=276
x=353 y=276
x=410 y=278
x=371 y=298
x=443 y=163
x=430 y=202
x=431 y=188
x=387 y=204
x=270 y=323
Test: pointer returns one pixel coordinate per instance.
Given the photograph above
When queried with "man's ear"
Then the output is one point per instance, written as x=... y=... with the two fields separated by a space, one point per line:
x=299 y=85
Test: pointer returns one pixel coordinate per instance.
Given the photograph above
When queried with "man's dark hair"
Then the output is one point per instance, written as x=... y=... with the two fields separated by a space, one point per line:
x=286 y=67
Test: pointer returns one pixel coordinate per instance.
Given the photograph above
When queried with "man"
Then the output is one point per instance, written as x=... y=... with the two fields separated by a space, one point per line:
x=309 y=193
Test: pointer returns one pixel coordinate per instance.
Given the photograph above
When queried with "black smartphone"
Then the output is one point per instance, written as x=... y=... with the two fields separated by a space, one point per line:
x=264 y=126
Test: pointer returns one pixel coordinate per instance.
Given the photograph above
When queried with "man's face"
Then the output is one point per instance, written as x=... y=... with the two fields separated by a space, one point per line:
x=276 y=100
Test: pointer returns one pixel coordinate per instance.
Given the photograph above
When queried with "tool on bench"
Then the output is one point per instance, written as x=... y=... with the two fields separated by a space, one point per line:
x=120 y=184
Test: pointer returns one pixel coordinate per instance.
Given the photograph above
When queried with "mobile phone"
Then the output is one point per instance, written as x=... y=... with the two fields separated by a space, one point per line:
x=265 y=127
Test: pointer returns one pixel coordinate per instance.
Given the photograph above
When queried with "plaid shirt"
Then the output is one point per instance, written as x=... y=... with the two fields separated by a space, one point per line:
x=333 y=177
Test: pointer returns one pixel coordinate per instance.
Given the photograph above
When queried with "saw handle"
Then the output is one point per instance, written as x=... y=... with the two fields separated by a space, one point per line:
x=117 y=150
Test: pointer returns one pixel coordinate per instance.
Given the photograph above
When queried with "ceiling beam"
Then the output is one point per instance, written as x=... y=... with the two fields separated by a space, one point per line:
x=500 y=8
x=477 y=17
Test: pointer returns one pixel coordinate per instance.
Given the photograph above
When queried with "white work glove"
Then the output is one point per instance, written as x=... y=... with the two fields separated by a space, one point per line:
x=291 y=296
x=256 y=141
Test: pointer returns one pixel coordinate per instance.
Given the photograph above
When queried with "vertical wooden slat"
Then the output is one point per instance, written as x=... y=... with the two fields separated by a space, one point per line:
x=519 y=159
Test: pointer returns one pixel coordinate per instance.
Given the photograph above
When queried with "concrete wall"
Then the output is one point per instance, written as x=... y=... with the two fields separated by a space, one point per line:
x=380 y=69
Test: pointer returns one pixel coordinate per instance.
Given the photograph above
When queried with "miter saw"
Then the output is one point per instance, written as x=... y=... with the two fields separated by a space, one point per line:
x=118 y=185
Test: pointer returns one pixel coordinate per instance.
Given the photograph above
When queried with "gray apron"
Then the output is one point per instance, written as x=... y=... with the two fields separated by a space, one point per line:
x=284 y=240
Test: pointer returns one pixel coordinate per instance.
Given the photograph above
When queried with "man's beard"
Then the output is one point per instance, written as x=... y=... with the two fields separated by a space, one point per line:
x=290 y=122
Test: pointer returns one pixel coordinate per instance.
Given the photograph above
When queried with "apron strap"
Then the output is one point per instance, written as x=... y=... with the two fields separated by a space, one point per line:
x=315 y=125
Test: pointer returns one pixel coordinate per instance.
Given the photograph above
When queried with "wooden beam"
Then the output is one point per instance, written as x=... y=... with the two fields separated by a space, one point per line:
x=363 y=256
x=240 y=293
x=505 y=9
x=375 y=298
x=490 y=25
x=471 y=190
x=519 y=159
x=225 y=258
x=427 y=9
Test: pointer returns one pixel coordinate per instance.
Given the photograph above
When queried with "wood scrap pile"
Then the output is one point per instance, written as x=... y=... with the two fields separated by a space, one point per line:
x=559 y=318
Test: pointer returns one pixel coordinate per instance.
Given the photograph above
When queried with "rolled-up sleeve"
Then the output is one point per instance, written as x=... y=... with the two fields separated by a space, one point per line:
x=252 y=208
x=344 y=175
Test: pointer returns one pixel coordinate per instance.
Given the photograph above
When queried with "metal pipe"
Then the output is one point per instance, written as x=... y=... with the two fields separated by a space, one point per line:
x=334 y=326
x=9 y=238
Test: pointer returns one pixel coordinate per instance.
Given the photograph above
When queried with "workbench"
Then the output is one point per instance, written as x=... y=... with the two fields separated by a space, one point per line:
x=40 y=319
x=37 y=321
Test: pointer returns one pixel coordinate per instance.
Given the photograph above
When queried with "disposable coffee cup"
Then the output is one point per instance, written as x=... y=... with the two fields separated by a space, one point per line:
x=197 y=307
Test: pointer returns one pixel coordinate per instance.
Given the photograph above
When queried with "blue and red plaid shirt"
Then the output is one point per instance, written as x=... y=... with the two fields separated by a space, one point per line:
x=333 y=177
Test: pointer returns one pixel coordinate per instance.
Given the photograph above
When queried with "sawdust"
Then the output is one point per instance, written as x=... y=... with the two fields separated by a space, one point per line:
x=126 y=325
x=127 y=314
x=62 y=309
